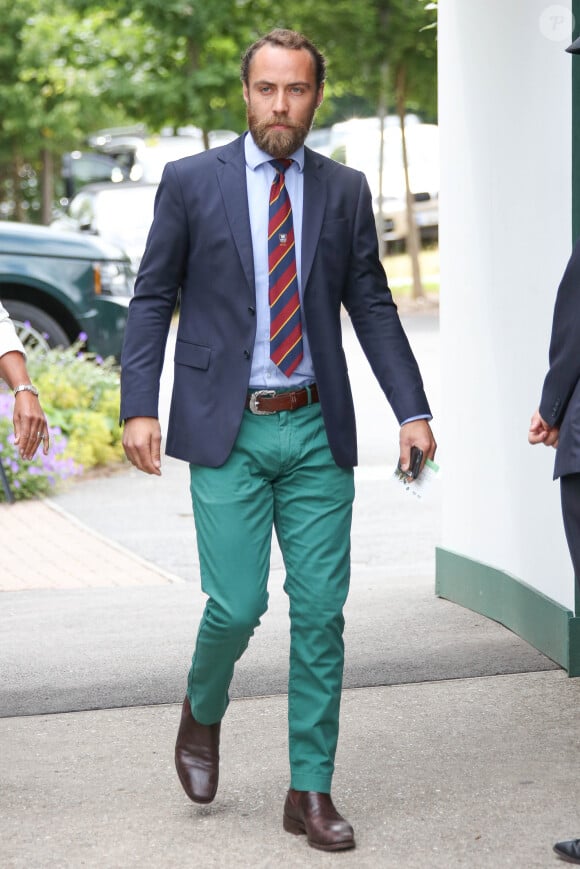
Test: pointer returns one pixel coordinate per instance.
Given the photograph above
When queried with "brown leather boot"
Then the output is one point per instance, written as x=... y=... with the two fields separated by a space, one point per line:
x=197 y=756
x=313 y=814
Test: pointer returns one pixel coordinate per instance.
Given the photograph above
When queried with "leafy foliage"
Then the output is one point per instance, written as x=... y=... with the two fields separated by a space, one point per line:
x=70 y=67
x=80 y=396
x=41 y=475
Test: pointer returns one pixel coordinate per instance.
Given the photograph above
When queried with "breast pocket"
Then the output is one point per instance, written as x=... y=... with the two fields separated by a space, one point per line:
x=193 y=355
x=335 y=226
x=334 y=242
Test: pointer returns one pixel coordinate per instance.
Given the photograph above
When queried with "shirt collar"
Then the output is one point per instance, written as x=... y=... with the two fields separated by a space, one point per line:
x=256 y=157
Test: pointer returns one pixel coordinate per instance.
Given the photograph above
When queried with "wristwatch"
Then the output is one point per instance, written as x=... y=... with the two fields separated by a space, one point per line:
x=26 y=387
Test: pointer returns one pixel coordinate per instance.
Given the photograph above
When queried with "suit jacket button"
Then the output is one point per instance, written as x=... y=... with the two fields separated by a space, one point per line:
x=247 y=354
x=252 y=310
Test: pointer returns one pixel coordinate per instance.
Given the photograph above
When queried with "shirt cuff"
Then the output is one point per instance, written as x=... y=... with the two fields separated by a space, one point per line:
x=413 y=418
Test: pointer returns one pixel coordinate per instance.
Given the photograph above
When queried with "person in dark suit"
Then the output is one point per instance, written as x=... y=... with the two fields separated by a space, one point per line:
x=556 y=423
x=266 y=241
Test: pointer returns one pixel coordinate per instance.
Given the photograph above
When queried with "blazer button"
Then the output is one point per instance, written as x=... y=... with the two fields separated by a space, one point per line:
x=247 y=354
x=252 y=310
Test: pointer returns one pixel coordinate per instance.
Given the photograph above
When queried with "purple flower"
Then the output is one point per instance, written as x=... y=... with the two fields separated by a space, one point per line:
x=83 y=336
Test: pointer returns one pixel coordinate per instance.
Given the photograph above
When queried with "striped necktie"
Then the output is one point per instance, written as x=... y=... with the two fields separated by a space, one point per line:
x=286 y=349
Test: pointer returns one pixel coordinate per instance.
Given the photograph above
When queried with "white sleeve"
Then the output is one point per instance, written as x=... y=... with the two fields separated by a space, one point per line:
x=9 y=340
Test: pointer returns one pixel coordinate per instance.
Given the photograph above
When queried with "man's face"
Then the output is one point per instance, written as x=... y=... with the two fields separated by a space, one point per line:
x=281 y=98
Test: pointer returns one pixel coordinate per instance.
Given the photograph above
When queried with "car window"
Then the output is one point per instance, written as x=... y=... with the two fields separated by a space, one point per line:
x=120 y=207
x=81 y=209
x=363 y=153
x=150 y=160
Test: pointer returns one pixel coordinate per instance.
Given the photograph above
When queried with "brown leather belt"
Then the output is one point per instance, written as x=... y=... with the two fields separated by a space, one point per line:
x=266 y=401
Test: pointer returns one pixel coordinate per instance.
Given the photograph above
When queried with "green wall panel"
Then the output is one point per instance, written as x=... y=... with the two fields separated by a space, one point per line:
x=539 y=620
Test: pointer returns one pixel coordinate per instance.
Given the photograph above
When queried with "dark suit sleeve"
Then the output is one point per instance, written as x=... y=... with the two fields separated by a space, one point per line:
x=374 y=315
x=564 y=371
x=152 y=306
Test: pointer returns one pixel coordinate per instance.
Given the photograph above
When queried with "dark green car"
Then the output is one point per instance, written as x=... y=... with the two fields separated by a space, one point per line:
x=57 y=285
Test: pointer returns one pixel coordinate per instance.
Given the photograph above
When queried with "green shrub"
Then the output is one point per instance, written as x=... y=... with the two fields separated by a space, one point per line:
x=79 y=393
x=41 y=475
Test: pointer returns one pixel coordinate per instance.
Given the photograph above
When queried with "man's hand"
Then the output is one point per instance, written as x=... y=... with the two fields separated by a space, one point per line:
x=142 y=443
x=416 y=434
x=30 y=425
x=542 y=433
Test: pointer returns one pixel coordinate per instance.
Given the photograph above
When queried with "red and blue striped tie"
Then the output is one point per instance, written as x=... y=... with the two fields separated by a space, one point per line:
x=286 y=348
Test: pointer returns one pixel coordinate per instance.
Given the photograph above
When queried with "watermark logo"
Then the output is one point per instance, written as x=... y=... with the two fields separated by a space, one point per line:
x=557 y=23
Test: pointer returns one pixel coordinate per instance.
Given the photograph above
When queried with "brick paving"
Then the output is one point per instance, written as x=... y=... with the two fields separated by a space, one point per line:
x=43 y=547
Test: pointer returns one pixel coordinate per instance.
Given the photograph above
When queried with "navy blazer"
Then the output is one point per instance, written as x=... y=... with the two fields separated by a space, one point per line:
x=560 y=402
x=200 y=245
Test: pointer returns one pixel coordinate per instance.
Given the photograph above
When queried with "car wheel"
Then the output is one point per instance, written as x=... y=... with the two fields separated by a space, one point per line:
x=35 y=327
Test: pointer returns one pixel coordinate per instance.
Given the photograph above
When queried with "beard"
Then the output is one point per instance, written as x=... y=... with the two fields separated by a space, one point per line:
x=278 y=143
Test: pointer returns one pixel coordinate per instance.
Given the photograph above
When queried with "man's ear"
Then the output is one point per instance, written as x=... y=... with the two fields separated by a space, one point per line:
x=245 y=93
x=320 y=95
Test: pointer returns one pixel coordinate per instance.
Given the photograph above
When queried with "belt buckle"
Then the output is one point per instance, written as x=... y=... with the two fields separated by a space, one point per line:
x=256 y=396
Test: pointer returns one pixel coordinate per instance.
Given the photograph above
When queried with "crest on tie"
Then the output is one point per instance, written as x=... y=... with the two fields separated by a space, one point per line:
x=283 y=237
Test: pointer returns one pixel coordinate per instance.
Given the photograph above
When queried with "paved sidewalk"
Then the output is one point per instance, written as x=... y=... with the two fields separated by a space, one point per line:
x=45 y=548
x=464 y=774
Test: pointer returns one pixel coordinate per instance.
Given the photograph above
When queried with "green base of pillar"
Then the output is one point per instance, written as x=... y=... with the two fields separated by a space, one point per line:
x=545 y=624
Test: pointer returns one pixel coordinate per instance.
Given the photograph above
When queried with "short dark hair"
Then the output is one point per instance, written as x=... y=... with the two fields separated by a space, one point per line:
x=285 y=39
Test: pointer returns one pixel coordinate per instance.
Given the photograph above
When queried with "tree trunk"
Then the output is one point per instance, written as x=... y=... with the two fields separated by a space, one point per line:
x=19 y=214
x=47 y=186
x=412 y=231
x=381 y=112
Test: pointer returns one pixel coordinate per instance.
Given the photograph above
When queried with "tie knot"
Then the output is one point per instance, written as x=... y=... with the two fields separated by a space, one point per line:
x=281 y=165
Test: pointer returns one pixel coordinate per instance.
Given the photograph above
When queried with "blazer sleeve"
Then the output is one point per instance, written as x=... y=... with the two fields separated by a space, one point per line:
x=564 y=357
x=151 y=308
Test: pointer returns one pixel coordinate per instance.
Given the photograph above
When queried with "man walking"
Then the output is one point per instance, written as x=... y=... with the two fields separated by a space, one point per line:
x=266 y=241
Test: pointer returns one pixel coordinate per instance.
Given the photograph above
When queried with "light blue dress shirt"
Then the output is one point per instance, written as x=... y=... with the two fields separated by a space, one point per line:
x=259 y=177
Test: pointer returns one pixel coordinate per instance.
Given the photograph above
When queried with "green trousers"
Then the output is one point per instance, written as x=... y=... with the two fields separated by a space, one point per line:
x=280 y=475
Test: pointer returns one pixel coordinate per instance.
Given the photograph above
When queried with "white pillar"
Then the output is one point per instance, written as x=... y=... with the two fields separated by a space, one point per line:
x=505 y=237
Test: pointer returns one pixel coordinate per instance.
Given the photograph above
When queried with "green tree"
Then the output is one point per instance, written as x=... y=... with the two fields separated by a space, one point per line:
x=68 y=67
x=400 y=72
x=71 y=65
x=195 y=75
x=64 y=73
x=15 y=104
x=381 y=51
x=407 y=72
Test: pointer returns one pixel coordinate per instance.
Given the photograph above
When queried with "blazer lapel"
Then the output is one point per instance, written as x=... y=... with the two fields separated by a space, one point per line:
x=232 y=182
x=314 y=203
